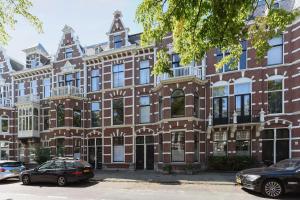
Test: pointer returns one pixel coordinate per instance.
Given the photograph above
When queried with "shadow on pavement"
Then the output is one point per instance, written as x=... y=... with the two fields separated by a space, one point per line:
x=9 y=181
x=69 y=185
x=166 y=179
x=287 y=196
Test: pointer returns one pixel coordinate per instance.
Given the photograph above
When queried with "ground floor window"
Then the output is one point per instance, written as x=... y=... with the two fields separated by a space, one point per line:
x=118 y=149
x=60 y=147
x=77 y=148
x=220 y=144
x=160 y=142
x=178 y=147
x=4 y=150
x=242 y=146
x=196 y=147
x=275 y=145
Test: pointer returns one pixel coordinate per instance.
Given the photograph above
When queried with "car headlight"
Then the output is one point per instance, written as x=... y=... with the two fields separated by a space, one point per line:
x=252 y=177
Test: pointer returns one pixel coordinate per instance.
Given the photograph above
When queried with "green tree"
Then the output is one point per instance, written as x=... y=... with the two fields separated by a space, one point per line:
x=10 y=10
x=42 y=155
x=200 y=25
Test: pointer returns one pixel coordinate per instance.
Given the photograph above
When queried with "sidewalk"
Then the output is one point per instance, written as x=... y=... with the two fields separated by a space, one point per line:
x=215 y=178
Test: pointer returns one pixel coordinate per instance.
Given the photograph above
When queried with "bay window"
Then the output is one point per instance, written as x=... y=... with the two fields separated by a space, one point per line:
x=60 y=115
x=220 y=144
x=118 y=149
x=76 y=117
x=178 y=147
x=275 y=96
x=178 y=103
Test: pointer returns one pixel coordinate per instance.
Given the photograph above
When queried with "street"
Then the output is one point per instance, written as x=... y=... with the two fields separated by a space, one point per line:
x=14 y=190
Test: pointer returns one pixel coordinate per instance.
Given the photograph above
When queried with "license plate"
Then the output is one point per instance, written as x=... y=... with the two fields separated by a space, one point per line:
x=238 y=180
x=86 y=170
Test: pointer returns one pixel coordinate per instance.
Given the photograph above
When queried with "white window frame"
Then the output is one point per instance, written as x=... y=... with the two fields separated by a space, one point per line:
x=274 y=78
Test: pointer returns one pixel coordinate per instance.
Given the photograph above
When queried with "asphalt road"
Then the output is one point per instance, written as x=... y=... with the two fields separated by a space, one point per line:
x=14 y=190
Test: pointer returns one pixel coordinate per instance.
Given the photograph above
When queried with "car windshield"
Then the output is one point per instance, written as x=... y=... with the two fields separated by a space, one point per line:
x=287 y=164
x=10 y=164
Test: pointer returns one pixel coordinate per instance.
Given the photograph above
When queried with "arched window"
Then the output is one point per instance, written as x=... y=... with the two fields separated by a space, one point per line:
x=60 y=115
x=242 y=95
x=220 y=91
x=177 y=103
x=77 y=117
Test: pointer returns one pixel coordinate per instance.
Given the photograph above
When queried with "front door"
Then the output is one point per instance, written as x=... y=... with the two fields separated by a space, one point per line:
x=139 y=156
x=95 y=152
x=144 y=152
x=275 y=145
x=150 y=157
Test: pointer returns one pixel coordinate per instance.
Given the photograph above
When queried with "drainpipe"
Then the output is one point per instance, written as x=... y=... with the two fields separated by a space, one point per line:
x=133 y=111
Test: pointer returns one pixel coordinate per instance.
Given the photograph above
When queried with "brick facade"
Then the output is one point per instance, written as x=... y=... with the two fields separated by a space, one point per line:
x=82 y=78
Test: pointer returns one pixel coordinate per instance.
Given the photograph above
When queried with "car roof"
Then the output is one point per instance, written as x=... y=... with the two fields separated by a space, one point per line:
x=5 y=161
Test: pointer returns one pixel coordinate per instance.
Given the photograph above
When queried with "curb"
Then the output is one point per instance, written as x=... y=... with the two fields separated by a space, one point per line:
x=179 y=182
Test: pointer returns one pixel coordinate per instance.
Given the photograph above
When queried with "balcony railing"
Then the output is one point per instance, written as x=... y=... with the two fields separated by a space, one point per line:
x=197 y=71
x=5 y=102
x=234 y=118
x=28 y=134
x=28 y=99
x=67 y=91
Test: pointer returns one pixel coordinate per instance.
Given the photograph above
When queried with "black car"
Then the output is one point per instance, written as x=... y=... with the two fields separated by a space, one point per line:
x=60 y=171
x=274 y=180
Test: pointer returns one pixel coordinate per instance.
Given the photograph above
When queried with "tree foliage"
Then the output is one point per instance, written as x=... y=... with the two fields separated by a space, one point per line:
x=10 y=10
x=198 y=26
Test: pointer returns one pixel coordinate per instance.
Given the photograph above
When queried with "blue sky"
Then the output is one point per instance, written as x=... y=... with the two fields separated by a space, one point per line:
x=90 y=19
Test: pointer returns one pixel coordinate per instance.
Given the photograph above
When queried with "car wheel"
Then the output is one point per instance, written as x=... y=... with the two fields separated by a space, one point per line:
x=61 y=181
x=26 y=179
x=273 y=188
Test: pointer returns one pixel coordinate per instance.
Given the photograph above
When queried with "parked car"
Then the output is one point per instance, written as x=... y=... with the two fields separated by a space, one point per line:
x=10 y=169
x=60 y=171
x=272 y=181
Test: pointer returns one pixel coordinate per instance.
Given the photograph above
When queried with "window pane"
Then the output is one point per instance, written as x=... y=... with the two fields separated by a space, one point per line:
x=242 y=88
x=144 y=100
x=77 y=118
x=220 y=91
x=145 y=76
x=275 y=55
x=275 y=85
x=216 y=108
x=118 y=111
x=275 y=102
x=4 y=124
x=145 y=114
x=238 y=105
x=177 y=103
x=224 y=108
x=178 y=147
x=119 y=150
x=95 y=114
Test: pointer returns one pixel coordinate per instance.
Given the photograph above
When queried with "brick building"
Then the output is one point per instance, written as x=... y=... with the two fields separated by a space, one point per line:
x=101 y=103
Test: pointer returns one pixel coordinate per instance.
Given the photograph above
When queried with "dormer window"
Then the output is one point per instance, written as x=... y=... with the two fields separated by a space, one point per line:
x=68 y=53
x=34 y=63
x=117 y=41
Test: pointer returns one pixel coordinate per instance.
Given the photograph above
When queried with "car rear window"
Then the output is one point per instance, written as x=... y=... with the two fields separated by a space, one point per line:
x=10 y=164
x=77 y=164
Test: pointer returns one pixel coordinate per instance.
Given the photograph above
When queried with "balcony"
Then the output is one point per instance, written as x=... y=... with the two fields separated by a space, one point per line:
x=28 y=134
x=5 y=102
x=67 y=91
x=233 y=118
x=192 y=71
x=28 y=99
